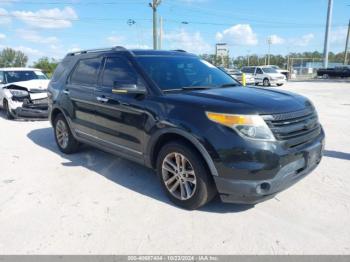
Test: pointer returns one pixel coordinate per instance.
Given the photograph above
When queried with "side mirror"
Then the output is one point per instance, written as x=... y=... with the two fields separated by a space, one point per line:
x=127 y=88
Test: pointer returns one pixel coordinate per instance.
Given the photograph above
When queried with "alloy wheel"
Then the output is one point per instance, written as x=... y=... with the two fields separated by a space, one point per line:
x=179 y=176
x=62 y=134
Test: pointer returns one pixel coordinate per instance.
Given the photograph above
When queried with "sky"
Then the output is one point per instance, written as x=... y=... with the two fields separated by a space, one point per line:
x=54 y=27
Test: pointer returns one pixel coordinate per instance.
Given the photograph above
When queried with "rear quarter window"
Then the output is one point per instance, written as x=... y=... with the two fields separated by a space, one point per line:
x=86 y=71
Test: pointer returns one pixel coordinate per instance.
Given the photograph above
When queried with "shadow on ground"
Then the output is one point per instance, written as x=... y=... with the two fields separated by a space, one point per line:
x=336 y=154
x=123 y=172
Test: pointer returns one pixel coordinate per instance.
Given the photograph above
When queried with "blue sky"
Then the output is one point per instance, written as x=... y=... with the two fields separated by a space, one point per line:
x=52 y=27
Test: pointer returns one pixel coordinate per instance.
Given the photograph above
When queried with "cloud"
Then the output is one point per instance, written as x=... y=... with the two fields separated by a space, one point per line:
x=28 y=50
x=191 y=42
x=276 y=40
x=2 y=36
x=115 y=40
x=240 y=34
x=338 y=36
x=4 y=17
x=48 y=18
x=33 y=36
x=303 y=40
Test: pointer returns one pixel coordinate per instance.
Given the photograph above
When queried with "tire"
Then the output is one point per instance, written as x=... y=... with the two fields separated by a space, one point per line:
x=64 y=137
x=194 y=188
x=325 y=76
x=279 y=84
x=7 y=109
x=266 y=82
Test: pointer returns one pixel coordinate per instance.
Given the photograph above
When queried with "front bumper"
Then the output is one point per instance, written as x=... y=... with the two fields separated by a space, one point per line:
x=295 y=166
x=28 y=109
x=277 y=81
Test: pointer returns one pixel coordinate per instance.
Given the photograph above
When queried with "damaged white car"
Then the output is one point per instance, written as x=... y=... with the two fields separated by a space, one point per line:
x=23 y=92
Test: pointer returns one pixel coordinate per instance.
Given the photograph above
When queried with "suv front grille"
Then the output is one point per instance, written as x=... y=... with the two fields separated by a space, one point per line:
x=295 y=128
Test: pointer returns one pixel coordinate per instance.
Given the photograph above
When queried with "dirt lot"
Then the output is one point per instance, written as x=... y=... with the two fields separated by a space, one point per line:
x=93 y=202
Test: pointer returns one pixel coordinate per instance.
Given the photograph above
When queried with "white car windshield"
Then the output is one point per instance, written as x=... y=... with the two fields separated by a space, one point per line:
x=269 y=70
x=17 y=76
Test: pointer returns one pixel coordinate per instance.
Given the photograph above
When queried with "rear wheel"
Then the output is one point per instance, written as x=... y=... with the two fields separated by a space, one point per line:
x=64 y=137
x=7 y=109
x=279 y=84
x=183 y=176
x=266 y=82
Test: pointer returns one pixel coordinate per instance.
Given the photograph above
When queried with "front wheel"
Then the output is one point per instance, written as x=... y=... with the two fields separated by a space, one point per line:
x=266 y=82
x=183 y=176
x=64 y=137
x=7 y=109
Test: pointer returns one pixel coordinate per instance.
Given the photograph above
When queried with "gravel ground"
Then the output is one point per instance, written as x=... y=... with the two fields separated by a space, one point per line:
x=96 y=203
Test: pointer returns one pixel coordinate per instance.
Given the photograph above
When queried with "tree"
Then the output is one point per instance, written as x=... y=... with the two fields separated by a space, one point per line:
x=46 y=64
x=12 y=58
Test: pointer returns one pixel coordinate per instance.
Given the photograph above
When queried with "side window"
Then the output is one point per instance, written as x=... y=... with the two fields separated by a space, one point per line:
x=86 y=72
x=118 y=70
x=58 y=72
x=2 y=79
x=259 y=71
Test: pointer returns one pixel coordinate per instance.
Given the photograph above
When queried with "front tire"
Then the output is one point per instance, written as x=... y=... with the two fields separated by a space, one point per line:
x=65 y=140
x=266 y=82
x=7 y=109
x=183 y=176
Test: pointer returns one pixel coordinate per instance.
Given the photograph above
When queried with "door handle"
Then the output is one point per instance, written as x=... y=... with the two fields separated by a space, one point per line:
x=66 y=91
x=102 y=99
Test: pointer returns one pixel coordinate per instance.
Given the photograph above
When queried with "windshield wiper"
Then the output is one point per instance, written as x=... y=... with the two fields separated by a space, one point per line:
x=229 y=85
x=188 y=88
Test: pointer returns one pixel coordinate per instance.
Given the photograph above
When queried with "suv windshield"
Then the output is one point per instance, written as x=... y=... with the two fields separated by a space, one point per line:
x=269 y=70
x=174 y=73
x=17 y=76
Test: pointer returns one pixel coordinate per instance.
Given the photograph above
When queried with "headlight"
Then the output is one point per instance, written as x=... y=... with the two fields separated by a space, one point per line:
x=249 y=126
x=19 y=93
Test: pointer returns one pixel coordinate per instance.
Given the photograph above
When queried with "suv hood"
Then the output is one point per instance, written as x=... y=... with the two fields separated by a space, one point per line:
x=247 y=100
x=31 y=85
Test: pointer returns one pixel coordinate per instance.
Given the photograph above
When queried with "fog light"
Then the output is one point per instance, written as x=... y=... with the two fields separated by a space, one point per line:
x=263 y=188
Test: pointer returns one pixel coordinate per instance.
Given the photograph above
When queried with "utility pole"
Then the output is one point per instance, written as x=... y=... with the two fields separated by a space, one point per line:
x=160 y=36
x=154 y=6
x=326 y=38
x=269 y=42
x=347 y=46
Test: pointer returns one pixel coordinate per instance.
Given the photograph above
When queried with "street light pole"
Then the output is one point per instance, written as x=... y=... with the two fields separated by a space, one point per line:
x=347 y=46
x=154 y=6
x=326 y=38
x=269 y=41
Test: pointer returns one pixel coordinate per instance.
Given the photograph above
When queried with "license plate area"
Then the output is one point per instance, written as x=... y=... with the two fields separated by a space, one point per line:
x=40 y=101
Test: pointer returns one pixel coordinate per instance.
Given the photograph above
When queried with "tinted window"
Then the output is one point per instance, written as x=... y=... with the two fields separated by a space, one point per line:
x=86 y=72
x=259 y=71
x=176 y=72
x=118 y=70
x=17 y=76
x=248 y=70
x=58 y=72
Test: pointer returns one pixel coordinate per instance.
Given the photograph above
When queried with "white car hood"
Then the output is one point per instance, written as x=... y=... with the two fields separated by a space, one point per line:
x=41 y=84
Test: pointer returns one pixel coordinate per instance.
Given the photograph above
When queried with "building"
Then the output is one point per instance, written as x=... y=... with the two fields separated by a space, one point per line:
x=221 y=49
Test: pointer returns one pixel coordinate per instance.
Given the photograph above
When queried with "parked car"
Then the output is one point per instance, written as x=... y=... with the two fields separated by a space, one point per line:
x=265 y=75
x=343 y=71
x=23 y=92
x=238 y=75
x=196 y=126
x=280 y=70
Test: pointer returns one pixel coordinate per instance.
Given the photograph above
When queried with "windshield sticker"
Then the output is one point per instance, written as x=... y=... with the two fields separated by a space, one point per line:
x=39 y=73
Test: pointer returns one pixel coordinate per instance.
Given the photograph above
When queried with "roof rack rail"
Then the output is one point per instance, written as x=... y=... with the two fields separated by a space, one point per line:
x=115 y=48
x=180 y=50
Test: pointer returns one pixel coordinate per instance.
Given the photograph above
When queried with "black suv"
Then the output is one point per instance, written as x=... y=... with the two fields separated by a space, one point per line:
x=202 y=131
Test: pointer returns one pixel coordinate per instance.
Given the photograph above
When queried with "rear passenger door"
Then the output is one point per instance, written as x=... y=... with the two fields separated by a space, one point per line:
x=79 y=94
x=120 y=118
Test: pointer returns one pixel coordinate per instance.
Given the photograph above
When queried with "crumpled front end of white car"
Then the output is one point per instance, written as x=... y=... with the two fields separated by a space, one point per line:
x=28 y=98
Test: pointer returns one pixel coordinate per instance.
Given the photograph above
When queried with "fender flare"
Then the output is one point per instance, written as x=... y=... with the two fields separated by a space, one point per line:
x=191 y=138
